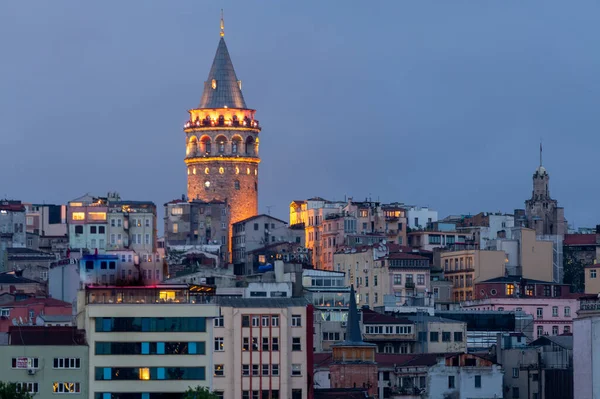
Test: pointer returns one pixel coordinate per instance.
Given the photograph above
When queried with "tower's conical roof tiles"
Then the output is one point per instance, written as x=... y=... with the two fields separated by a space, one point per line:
x=222 y=88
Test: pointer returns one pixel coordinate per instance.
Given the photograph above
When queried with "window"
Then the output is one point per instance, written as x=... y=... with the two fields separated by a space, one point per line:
x=515 y=372
x=5 y=312
x=265 y=344
x=451 y=382
x=274 y=321
x=554 y=330
x=219 y=322
x=265 y=369
x=67 y=363
x=256 y=226
x=147 y=239
x=97 y=215
x=275 y=344
x=31 y=387
x=434 y=336
x=219 y=370
x=78 y=229
x=175 y=228
x=66 y=387
x=567 y=330
x=296 y=321
x=78 y=215
x=540 y=331
x=515 y=392
x=92 y=229
x=567 y=311
x=554 y=311
x=219 y=344
x=510 y=289
x=101 y=230
x=420 y=279
x=593 y=273
x=245 y=369
x=296 y=345
x=236 y=184
x=255 y=321
x=458 y=336
x=397 y=279
x=375 y=282
x=245 y=321
x=25 y=363
x=177 y=211
x=274 y=370
x=265 y=321
x=255 y=370
x=477 y=381
x=445 y=336
x=540 y=313
x=296 y=370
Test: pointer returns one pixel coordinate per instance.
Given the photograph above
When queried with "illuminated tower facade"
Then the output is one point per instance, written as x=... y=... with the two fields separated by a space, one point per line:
x=222 y=142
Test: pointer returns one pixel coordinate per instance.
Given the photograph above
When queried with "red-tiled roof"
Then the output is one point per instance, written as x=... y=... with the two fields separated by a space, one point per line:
x=50 y=302
x=371 y=317
x=594 y=266
x=34 y=335
x=579 y=239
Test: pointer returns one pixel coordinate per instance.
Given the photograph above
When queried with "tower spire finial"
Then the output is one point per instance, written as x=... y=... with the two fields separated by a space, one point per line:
x=222 y=24
x=540 y=152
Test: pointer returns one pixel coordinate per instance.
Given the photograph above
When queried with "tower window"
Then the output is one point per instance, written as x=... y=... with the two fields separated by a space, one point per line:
x=207 y=185
x=236 y=184
x=214 y=84
x=206 y=171
x=255 y=186
x=221 y=170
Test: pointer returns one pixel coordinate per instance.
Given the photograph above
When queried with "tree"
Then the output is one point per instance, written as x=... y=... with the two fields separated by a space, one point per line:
x=9 y=390
x=197 y=393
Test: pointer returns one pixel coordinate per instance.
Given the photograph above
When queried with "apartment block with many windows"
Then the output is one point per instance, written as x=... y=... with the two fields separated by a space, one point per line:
x=46 y=361
x=147 y=342
x=263 y=348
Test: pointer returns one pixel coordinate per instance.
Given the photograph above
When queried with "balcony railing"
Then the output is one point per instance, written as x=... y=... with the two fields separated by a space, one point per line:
x=409 y=284
x=391 y=232
x=208 y=122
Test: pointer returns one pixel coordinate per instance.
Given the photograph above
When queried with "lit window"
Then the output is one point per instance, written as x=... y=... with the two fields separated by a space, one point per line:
x=78 y=215
x=206 y=171
x=296 y=370
x=213 y=84
x=219 y=370
x=144 y=373
x=221 y=170
x=97 y=215
x=510 y=289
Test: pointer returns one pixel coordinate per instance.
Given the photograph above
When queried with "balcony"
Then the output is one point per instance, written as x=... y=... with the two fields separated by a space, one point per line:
x=389 y=337
x=222 y=122
x=391 y=232
x=409 y=284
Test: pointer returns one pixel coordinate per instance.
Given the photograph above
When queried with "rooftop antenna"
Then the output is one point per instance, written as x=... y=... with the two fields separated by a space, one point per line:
x=222 y=24
x=269 y=209
x=540 y=152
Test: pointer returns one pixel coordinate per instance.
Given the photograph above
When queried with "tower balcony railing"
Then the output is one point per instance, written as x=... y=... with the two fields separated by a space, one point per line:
x=210 y=154
x=222 y=122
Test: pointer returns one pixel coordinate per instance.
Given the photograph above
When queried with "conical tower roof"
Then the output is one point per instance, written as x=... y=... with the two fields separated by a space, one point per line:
x=353 y=334
x=222 y=88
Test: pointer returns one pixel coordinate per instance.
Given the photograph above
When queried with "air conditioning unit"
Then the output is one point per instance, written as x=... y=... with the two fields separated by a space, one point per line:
x=31 y=371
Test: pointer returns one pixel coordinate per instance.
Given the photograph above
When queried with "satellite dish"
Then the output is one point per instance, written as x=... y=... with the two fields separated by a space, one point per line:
x=15 y=322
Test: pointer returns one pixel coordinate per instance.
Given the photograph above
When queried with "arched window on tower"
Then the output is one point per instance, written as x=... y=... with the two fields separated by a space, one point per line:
x=236 y=184
x=250 y=145
x=236 y=143
x=205 y=145
x=221 y=120
x=221 y=143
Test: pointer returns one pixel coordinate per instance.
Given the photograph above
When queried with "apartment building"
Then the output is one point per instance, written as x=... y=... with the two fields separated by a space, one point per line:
x=382 y=270
x=262 y=348
x=197 y=223
x=12 y=228
x=46 y=361
x=467 y=267
x=147 y=342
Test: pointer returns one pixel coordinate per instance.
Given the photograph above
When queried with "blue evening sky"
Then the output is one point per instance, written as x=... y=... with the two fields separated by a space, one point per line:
x=438 y=103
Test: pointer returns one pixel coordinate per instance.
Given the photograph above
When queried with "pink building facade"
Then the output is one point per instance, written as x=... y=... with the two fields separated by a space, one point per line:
x=551 y=316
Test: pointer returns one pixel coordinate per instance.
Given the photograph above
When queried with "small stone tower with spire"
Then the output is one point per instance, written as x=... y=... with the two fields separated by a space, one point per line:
x=353 y=364
x=221 y=139
x=542 y=213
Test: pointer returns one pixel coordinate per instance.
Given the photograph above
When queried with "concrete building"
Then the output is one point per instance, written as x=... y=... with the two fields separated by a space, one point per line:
x=64 y=281
x=257 y=232
x=437 y=334
x=222 y=143
x=540 y=369
x=14 y=283
x=86 y=218
x=384 y=269
x=419 y=217
x=579 y=252
x=430 y=240
x=12 y=228
x=467 y=267
x=330 y=225
x=592 y=279
x=197 y=223
x=542 y=213
x=46 y=220
x=263 y=348
x=31 y=264
x=586 y=349
x=147 y=341
x=465 y=376
x=46 y=361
